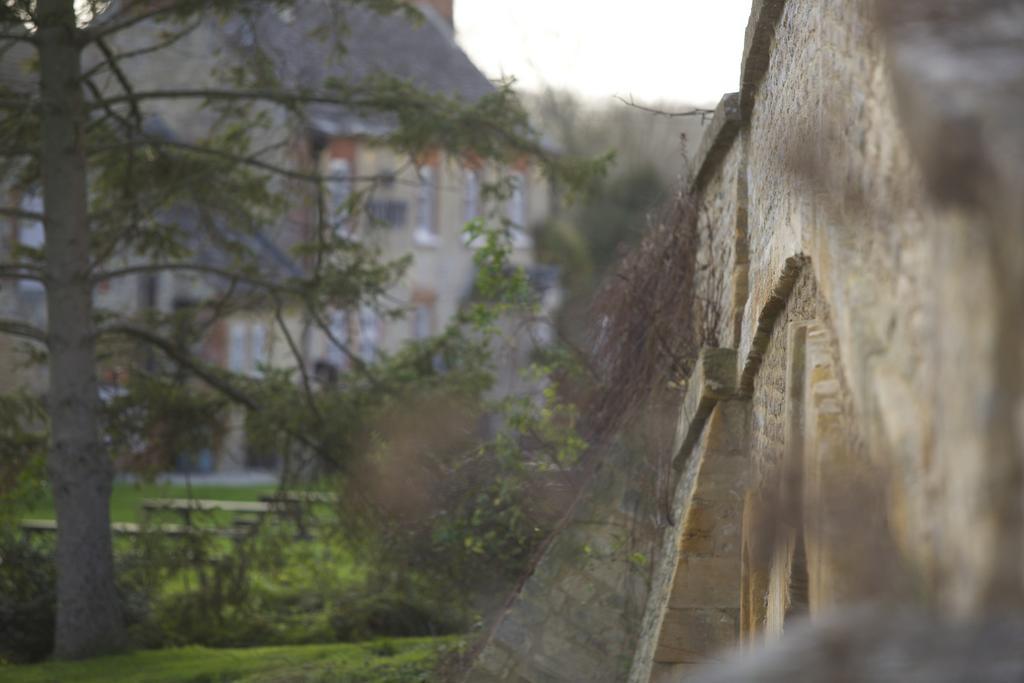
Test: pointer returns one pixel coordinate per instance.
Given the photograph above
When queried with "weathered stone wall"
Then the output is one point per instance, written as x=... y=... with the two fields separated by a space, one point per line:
x=833 y=177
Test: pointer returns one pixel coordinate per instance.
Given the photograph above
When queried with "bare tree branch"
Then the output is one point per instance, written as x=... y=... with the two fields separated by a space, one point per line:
x=696 y=111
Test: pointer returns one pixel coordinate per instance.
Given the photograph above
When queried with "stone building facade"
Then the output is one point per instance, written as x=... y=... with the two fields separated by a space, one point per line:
x=860 y=435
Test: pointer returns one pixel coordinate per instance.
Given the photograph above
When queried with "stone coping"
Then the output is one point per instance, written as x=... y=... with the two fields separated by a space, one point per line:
x=773 y=307
x=718 y=138
x=764 y=18
x=734 y=109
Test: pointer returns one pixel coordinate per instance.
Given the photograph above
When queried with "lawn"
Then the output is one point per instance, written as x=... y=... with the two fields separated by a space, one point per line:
x=400 y=660
x=126 y=501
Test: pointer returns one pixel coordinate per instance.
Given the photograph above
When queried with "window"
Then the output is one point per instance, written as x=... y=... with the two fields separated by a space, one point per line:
x=246 y=33
x=286 y=15
x=471 y=196
x=339 y=192
x=337 y=324
x=369 y=334
x=31 y=236
x=258 y=346
x=388 y=212
x=517 y=202
x=423 y=321
x=516 y=212
x=426 y=208
x=238 y=352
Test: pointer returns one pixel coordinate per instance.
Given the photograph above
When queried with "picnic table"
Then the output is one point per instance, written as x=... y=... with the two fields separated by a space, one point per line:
x=185 y=505
x=291 y=504
x=31 y=526
x=301 y=497
x=248 y=514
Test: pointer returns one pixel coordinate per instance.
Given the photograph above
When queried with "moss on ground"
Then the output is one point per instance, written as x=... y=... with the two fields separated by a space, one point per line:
x=400 y=660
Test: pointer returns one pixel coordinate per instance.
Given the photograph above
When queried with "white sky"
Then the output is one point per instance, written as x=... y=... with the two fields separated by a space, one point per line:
x=685 y=51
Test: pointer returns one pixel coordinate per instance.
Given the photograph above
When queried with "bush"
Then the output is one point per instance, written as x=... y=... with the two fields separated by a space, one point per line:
x=360 y=616
x=28 y=600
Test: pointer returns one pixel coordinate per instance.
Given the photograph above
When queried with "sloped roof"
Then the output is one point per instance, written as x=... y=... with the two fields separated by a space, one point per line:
x=425 y=54
x=304 y=47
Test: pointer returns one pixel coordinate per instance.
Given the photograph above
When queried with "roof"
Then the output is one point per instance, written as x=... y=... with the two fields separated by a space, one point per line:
x=304 y=48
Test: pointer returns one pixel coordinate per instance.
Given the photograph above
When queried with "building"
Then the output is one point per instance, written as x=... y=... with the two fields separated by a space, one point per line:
x=414 y=207
x=856 y=437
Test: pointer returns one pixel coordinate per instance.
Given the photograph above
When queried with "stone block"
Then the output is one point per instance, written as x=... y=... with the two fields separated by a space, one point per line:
x=694 y=635
x=707 y=582
x=713 y=380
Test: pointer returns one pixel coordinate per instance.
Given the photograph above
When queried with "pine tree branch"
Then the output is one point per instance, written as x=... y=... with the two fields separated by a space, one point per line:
x=168 y=188
x=207 y=374
x=22 y=214
x=210 y=376
x=18 y=37
x=307 y=387
x=247 y=278
x=21 y=271
x=132 y=16
x=18 y=104
x=363 y=99
x=358 y=363
x=241 y=159
x=97 y=95
x=142 y=51
x=122 y=79
x=19 y=328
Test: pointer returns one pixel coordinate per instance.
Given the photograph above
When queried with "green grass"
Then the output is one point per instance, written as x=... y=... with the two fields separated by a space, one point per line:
x=404 y=660
x=126 y=501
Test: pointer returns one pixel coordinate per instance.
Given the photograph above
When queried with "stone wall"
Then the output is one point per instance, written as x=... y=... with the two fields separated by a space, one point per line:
x=860 y=214
x=577 y=614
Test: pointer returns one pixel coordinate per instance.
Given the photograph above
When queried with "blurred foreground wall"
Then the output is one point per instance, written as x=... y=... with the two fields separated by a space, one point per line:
x=861 y=439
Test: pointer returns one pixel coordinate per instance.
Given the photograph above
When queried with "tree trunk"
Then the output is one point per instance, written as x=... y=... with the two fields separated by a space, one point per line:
x=88 y=610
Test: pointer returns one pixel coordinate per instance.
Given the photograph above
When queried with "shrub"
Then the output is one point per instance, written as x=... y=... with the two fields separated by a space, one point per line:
x=28 y=600
x=361 y=615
